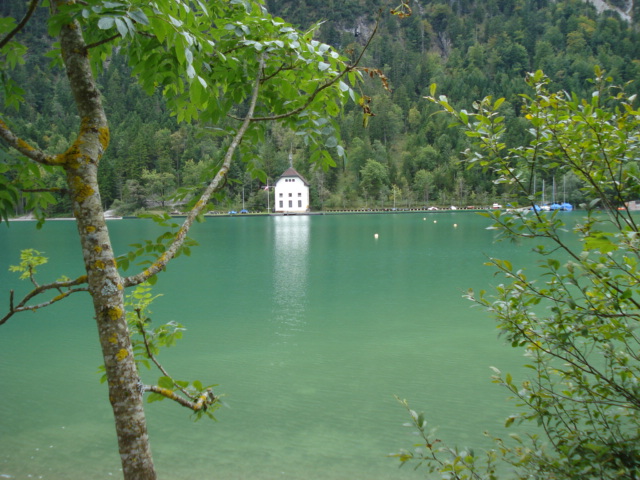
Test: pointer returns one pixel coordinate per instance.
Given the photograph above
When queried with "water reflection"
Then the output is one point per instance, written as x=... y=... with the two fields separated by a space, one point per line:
x=290 y=274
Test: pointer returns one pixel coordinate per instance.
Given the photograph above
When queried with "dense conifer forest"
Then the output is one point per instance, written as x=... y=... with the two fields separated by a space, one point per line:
x=405 y=155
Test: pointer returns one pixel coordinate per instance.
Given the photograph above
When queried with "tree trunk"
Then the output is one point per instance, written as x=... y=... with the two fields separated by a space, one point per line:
x=80 y=163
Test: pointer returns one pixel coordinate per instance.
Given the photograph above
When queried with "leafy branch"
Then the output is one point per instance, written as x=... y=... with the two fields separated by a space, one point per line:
x=30 y=259
x=33 y=4
x=453 y=463
x=327 y=84
x=146 y=344
x=199 y=207
x=203 y=404
x=577 y=321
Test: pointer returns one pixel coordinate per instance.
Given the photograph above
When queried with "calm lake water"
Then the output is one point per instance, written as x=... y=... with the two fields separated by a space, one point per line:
x=309 y=325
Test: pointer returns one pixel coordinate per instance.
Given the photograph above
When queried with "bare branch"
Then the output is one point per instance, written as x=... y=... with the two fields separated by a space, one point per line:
x=303 y=107
x=213 y=186
x=60 y=190
x=23 y=147
x=206 y=399
x=281 y=68
x=114 y=37
x=32 y=277
x=102 y=42
x=32 y=8
x=22 y=306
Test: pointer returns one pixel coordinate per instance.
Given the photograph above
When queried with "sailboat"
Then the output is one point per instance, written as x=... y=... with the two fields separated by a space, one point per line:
x=544 y=207
x=554 y=205
x=564 y=206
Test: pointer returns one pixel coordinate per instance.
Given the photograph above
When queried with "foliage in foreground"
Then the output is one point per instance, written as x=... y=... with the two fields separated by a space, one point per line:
x=577 y=319
x=227 y=66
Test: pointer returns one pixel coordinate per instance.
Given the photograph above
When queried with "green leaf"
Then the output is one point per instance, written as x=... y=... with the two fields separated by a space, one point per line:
x=139 y=16
x=155 y=397
x=331 y=142
x=105 y=23
x=174 y=21
x=121 y=26
x=166 y=382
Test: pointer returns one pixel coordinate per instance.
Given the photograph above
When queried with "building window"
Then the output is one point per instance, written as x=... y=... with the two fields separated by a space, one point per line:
x=280 y=203
x=280 y=195
x=291 y=194
x=299 y=203
x=299 y=194
x=290 y=204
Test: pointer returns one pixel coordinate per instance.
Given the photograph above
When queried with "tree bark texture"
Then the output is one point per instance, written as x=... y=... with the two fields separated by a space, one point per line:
x=80 y=163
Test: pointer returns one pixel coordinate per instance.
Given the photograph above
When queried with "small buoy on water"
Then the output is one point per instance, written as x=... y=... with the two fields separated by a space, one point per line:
x=424 y=218
x=435 y=221
x=375 y=235
x=455 y=225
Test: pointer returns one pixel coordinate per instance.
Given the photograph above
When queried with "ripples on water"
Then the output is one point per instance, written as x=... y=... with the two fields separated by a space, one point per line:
x=309 y=324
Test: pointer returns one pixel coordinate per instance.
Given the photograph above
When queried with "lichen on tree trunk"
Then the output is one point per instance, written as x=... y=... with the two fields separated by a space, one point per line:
x=80 y=163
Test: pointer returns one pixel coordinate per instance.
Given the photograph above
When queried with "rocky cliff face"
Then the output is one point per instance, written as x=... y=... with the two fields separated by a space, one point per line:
x=623 y=7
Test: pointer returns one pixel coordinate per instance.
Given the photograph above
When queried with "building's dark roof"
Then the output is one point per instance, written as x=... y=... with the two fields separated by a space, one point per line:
x=291 y=172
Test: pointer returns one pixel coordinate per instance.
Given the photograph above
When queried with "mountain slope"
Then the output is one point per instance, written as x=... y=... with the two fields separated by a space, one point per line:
x=470 y=48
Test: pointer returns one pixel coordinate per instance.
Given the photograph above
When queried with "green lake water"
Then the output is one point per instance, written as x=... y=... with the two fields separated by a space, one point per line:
x=309 y=324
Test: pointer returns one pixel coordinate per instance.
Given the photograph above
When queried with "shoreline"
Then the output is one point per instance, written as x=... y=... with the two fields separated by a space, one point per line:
x=28 y=218
x=292 y=214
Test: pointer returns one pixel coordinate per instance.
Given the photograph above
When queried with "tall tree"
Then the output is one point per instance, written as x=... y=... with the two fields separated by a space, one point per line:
x=212 y=61
x=374 y=176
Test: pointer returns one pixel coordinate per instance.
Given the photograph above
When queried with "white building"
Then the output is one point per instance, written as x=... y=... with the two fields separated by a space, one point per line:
x=291 y=193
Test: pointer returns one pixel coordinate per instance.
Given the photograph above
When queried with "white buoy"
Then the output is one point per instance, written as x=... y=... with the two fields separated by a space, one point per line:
x=424 y=218
x=375 y=235
x=435 y=221
x=455 y=225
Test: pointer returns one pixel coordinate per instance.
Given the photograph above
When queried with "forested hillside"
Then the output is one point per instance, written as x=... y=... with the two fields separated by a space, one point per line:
x=406 y=154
